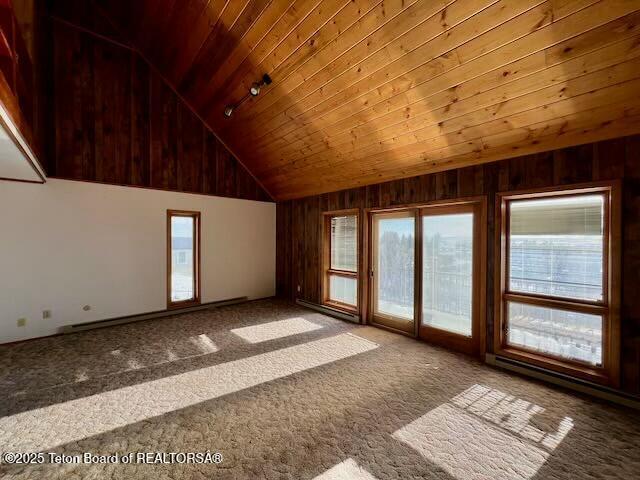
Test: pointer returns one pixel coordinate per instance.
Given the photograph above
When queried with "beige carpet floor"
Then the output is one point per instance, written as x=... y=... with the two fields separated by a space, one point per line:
x=282 y=392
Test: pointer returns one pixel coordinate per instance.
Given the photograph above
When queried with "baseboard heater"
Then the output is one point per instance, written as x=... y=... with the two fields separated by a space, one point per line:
x=566 y=381
x=333 y=312
x=79 y=327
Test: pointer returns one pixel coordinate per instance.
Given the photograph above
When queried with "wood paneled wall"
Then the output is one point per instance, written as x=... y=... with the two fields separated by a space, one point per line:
x=115 y=120
x=299 y=227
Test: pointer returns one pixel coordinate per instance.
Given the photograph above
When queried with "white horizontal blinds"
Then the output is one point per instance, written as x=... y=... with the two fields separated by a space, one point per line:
x=574 y=215
x=556 y=246
x=344 y=256
x=344 y=243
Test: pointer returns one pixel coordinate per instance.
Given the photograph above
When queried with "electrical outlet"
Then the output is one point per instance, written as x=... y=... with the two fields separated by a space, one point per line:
x=299 y=288
x=46 y=314
x=22 y=322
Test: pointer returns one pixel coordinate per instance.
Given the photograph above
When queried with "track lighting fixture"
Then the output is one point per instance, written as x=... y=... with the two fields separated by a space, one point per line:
x=254 y=91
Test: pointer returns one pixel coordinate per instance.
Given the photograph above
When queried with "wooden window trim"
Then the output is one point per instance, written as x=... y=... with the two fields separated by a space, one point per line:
x=326 y=260
x=609 y=308
x=195 y=259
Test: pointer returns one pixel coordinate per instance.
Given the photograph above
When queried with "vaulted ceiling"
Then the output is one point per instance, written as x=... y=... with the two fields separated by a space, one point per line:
x=365 y=91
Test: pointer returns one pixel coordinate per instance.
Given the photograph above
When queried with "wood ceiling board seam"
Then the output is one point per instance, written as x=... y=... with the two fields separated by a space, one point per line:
x=509 y=70
x=237 y=79
x=278 y=61
x=319 y=113
x=219 y=50
x=405 y=127
x=579 y=116
x=314 y=119
x=364 y=43
x=435 y=27
x=483 y=61
x=539 y=112
x=508 y=120
x=267 y=172
x=260 y=105
x=248 y=66
x=192 y=80
x=291 y=138
x=246 y=47
x=219 y=43
x=630 y=70
x=193 y=44
x=621 y=127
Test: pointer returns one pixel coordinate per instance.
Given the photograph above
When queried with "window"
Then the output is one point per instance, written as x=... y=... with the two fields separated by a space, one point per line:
x=341 y=260
x=183 y=258
x=558 y=292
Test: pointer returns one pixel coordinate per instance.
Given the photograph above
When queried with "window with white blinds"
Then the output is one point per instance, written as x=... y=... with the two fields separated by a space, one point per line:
x=556 y=298
x=344 y=243
x=556 y=246
x=341 y=264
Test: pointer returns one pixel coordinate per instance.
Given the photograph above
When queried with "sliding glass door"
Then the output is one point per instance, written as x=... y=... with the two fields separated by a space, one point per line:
x=450 y=282
x=394 y=261
x=426 y=272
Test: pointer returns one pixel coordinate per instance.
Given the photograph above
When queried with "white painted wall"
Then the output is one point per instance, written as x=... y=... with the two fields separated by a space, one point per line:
x=67 y=244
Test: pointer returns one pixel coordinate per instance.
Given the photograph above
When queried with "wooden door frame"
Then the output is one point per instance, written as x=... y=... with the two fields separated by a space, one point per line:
x=479 y=204
x=476 y=344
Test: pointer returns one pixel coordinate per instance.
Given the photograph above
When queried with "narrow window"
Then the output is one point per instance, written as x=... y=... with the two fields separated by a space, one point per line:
x=557 y=303
x=341 y=260
x=183 y=258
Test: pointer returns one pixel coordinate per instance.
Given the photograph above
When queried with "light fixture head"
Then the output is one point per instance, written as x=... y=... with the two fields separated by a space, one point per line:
x=255 y=89
x=228 y=111
x=266 y=79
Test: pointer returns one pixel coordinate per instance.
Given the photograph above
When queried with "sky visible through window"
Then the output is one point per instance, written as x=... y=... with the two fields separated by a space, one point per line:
x=182 y=274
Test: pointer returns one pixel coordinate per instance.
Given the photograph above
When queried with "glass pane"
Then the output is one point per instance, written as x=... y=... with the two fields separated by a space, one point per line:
x=571 y=335
x=182 y=274
x=343 y=289
x=556 y=247
x=447 y=272
x=344 y=243
x=395 y=266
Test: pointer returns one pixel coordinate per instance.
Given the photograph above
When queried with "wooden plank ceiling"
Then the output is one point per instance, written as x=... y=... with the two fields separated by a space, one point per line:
x=366 y=91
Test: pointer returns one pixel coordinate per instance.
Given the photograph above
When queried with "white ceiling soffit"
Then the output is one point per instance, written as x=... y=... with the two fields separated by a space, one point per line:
x=17 y=161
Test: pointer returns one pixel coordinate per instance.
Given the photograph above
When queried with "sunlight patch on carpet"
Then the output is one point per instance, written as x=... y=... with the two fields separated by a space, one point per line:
x=484 y=433
x=347 y=470
x=45 y=428
x=273 y=330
